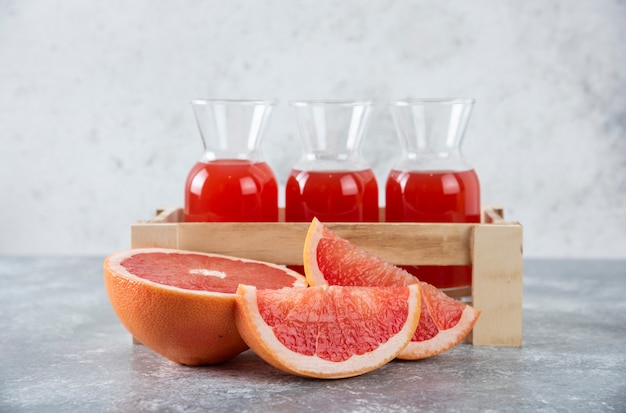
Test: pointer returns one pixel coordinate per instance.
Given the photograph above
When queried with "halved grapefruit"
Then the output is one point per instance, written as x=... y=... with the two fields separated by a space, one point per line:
x=181 y=303
x=332 y=260
x=327 y=331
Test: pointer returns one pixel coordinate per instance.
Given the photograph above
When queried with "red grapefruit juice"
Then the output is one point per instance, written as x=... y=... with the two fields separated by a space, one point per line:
x=231 y=190
x=435 y=196
x=331 y=196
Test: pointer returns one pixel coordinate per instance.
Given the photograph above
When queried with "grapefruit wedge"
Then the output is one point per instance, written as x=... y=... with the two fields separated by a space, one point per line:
x=332 y=260
x=181 y=304
x=327 y=331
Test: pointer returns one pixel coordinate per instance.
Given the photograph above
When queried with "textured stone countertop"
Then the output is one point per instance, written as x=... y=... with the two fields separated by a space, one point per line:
x=63 y=350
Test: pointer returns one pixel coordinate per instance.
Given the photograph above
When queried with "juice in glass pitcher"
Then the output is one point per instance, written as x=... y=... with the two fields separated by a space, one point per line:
x=232 y=182
x=331 y=182
x=433 y=182
x=332 y=196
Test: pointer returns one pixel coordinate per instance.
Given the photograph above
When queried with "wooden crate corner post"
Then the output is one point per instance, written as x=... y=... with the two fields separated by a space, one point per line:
x=497 y=283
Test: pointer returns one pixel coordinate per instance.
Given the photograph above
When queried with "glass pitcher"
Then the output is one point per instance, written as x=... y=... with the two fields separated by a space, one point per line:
x=433 y=182
x=231 y=182
x=331 y=181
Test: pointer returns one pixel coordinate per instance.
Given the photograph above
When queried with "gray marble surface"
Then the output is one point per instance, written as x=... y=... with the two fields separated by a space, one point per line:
x=63 y=350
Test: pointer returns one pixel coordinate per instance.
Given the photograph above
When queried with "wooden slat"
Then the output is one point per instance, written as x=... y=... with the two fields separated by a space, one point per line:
x=411 y=243
x=168 y=214
x=279 y=242
x=402 y=244
x=497 y=284
x=493 y=214
x=145 y=235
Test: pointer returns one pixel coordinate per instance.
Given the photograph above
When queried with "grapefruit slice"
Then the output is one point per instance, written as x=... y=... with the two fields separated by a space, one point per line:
x=181 y=303
x=332 y=260
x=327 y=331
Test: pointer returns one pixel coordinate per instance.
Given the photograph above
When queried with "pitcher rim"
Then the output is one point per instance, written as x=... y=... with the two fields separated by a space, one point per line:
x=333 y=102
x=207 y=101
x=441 y=101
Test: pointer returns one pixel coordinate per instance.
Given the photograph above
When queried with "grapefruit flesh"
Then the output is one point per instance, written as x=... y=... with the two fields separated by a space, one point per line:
x=327 y=331
x=181 y=303
x=332 y=260
x=205 y=272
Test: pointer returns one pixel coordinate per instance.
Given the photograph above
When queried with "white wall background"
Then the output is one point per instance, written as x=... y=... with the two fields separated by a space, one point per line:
x=96 y=130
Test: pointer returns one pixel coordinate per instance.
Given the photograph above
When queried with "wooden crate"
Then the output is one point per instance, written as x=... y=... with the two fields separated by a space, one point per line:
x=493 y=248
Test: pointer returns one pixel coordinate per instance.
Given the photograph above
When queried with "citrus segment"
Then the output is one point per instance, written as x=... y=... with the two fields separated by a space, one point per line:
x=181 y=303
x=327 y=331
x=444 y=322
x=329 y=259
x=332 y=260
